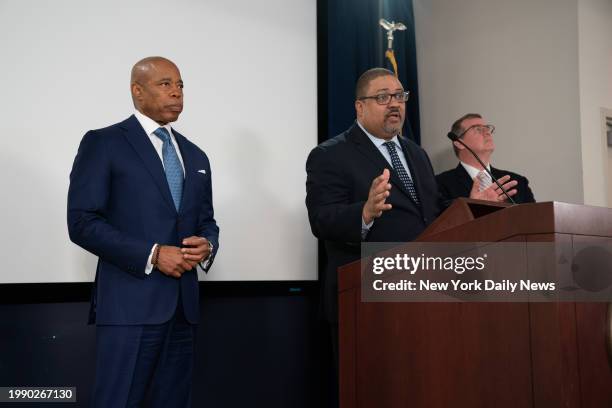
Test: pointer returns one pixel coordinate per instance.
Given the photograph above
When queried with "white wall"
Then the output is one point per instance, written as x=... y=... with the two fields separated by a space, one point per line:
x=250 y=102
x=595 y=67
x=609 y=173
x=515 y=62
x=609 y=176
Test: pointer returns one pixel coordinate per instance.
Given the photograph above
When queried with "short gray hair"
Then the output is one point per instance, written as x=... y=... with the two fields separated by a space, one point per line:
x=458 y=129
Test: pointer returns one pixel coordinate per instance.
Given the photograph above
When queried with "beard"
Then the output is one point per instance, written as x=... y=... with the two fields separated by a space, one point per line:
x=393 y=127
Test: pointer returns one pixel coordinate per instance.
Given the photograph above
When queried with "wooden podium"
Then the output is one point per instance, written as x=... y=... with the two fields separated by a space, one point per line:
x=429 y=355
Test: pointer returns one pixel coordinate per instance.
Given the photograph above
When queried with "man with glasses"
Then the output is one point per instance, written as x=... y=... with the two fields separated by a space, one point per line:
x=370 y=184
x=469 y=175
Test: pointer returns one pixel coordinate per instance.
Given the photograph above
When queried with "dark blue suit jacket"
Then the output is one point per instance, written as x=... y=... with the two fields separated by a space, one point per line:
x=119 y=206
x=457 y=183
x=339 y=175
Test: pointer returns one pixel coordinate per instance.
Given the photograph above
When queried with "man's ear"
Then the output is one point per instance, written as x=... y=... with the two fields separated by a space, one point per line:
x=359 y=108
x=136 y=90
x=458 y=145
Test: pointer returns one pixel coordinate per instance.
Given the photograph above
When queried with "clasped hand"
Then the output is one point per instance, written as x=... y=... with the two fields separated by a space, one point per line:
x=174 y=261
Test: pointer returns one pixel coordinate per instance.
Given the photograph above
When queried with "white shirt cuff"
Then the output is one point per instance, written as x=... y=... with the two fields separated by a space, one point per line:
x=149 y=267
x=365 y=228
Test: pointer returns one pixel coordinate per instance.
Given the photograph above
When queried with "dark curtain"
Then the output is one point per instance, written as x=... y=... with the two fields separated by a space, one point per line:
x=350 y=42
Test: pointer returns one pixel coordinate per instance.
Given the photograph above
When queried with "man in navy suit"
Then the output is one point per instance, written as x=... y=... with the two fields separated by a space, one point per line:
x=140 y=199
x=469 y=175
x=370 y=184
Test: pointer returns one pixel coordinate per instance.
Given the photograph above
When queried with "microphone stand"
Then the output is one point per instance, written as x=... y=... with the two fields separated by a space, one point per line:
x=455 y=138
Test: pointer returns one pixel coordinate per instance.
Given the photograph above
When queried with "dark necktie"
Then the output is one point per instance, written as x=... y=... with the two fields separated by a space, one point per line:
x=172 y=167
x=401 y=171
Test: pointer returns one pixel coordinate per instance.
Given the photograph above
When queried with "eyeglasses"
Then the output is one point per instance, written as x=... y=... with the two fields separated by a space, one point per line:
x=480 y=129
x=385 y=98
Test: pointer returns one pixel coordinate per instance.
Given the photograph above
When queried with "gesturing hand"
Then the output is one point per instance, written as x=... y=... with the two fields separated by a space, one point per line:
x=493 y=192
x=379 y=191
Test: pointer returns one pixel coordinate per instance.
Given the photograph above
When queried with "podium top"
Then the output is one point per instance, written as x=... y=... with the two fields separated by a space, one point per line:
x=481 y=221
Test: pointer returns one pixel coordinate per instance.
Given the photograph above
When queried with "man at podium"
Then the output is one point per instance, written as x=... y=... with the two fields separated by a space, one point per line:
x=371 y=184
x=469 y=173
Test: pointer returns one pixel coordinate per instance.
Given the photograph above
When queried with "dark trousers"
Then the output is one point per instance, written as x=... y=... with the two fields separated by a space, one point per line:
x=145 y=365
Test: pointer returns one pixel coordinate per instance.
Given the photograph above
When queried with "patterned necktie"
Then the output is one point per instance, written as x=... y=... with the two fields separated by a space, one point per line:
x=401 y=171
x=484 y=180
x=172 y=167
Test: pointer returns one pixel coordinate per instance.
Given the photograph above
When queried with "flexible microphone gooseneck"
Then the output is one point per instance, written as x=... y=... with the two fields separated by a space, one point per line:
x=455 y=138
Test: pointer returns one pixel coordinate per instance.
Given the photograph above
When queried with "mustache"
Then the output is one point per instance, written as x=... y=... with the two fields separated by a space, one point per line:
x=392 y=111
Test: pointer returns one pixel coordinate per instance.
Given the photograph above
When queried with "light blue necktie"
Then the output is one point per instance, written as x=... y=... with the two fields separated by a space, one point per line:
x=172 y=167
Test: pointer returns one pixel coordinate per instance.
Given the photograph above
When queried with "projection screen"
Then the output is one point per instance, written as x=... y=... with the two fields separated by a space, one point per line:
x=250 y=103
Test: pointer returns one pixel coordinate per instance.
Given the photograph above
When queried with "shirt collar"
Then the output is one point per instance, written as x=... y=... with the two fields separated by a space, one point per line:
x=473 y=171
x=378 y=142
x=148 y=124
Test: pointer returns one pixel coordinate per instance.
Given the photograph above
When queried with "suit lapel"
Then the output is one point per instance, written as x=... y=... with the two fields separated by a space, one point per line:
x=141 y=143
x=496 y=173
x=367 y=148
x=464 y=179
x=188 y=161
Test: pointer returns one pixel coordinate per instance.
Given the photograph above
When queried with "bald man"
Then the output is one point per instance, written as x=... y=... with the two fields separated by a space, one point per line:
x=140 y=199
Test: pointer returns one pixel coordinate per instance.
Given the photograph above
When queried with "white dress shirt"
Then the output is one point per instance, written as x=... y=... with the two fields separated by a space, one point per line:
x=473 y=171
x=150 y=126
x=380 y=145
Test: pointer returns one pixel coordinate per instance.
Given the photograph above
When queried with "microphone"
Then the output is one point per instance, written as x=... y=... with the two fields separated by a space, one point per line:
x=455 y=138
